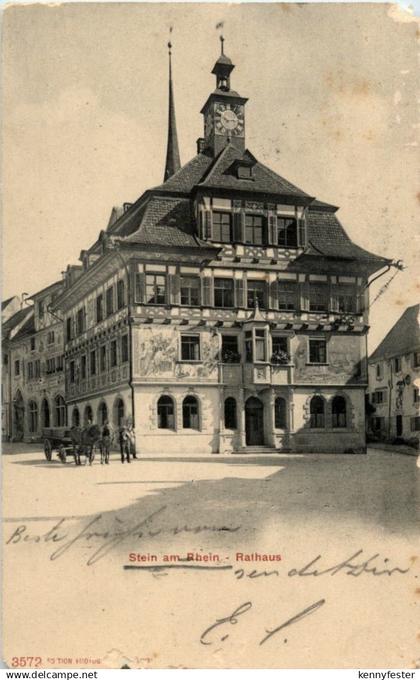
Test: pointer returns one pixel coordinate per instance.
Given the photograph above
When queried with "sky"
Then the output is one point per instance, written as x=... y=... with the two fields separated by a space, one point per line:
x=331 y=108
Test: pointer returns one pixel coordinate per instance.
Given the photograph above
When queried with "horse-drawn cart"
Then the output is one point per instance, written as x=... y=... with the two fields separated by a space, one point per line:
x=73 y=442
x=58 y=439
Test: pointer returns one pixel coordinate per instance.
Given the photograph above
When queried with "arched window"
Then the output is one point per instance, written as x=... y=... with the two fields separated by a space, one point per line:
x=339 y=412
x=165 y=413
x=102 y=413
x=88 y=415
x=230 y=413
x=280 y=420
x=33 y=417
x=120 y=294
x=45 y=413
x=119 y=413
x=60 y=411
x=75 y=417
x=317 y=410
x=190 y=413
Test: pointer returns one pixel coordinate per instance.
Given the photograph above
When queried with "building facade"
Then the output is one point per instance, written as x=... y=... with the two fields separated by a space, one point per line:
x=37 y=370
x=394 y=380
x=225 y=310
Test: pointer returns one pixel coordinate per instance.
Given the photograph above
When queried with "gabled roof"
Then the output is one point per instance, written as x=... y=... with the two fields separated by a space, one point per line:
x=167 y=221
x=403 y=337
x=6 y=303
x=203 y=171
x=13 y=322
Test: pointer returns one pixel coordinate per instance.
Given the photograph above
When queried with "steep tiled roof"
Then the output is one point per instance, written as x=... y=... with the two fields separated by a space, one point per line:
x=403 y=337
x=327 y=237
x=13 y=322
x=167 y=221
x=205 y=171
x=188 y=176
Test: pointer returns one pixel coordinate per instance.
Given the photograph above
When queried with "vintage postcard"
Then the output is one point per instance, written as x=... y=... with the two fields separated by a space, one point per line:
x=210 y=336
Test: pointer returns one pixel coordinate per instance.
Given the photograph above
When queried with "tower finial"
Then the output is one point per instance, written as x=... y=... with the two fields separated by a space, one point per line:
x=173 y=162
x=222 y=40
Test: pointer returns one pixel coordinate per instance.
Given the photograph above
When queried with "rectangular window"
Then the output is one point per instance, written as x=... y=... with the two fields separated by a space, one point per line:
x=120 y=294
x=317 y=351
x=260 y=345
x=223 y=293
x=287 y=294
x=256 y=292
x=102 y=359
x=287 y=232
x=249 y=354
x=379 y=397
x=222 y=227
x=32 y=344
x=37 y=368
x=110 y=301
x=50 y=338
x=113 y=353
x=280 y=350
x=50 y=366
x=72 y=368
x=155 y=289
x=81 y=321
x=17 y=367
x=31 y=370
x=416 y=395
x=124 y=348
x=190 y=290
x=68 y=328
x=93 y=362
x=230 y=354
x=99 y=308
x=319 y=297
x=415 y=424
x=190 y=347
x=379 y=372
x=416 y=359
x=59 y=363
x=397 y=364
x=346 y=300
x=254 y=229
x=83 y=366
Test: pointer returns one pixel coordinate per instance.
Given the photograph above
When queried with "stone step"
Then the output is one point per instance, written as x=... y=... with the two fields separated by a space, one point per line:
x=260 y=450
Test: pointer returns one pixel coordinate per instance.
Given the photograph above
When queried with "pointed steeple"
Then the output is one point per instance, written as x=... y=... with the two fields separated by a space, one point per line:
x=173 y=162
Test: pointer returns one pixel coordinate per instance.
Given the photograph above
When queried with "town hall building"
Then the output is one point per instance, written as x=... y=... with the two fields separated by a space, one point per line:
x=226 y=310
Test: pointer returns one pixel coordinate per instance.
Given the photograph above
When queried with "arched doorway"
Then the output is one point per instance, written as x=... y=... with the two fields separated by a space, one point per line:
x=18 y=417
x=254 y=422
x=119 y=412
x=45 y=413
x=75 y=417
x=88 y=415
x=102 y=413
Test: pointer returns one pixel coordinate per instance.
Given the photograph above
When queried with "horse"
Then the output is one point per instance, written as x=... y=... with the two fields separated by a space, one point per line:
x=104 y=446
x=84 y=441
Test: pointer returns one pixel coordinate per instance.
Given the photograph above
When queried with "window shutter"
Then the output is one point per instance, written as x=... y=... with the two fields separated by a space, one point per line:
x=174 y=289
x=208 y=231
x=272 y=228
x=304 y=296
x=239 y=284
x=302 y=232
x=140 y=288
x=207 y=291
x=237 y=227
x=274 y=295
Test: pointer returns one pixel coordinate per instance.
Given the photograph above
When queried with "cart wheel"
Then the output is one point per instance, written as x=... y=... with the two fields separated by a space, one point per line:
x=62 y=454
x=47 y=449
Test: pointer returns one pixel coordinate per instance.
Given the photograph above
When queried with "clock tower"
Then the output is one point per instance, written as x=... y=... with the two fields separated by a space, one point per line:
x=224 y=110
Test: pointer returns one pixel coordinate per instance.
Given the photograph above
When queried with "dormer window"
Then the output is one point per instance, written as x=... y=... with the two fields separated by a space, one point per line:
x=244 y=172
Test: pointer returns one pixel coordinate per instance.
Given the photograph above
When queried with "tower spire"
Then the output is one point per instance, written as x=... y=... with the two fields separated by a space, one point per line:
x=173 y=162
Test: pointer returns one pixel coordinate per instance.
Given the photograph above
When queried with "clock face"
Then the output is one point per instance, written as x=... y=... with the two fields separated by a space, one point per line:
x=229 y=119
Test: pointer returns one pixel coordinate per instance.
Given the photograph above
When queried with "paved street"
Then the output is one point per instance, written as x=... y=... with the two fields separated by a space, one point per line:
x=298 y=506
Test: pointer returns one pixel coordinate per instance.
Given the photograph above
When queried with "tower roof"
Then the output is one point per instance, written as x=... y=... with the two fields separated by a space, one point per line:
x=173 y=162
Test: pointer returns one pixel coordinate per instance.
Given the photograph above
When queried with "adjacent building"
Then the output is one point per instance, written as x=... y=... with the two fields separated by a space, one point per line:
x=224 y=310
x=394 y=380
